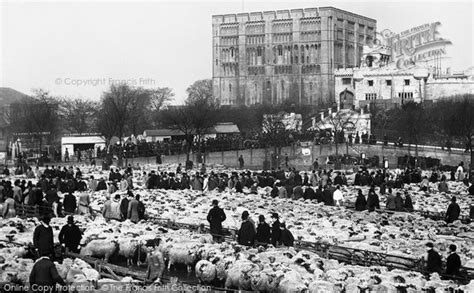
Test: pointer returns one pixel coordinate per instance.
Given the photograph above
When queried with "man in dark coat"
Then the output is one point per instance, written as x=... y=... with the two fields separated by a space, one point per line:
x=372 y=201
x=398 y=202
x=246 y=234
x=275 y=229
x=361 y=202
x=433 y=262
x=124 y=206
x=309 y=193
x=453 y=262
x=69 y=203
x=70 y=235
x=43 y=237
x=44 y=276
x=263 y=231
x=328 y=195
x=215 y=217
x=452 y=214
x=286 y=238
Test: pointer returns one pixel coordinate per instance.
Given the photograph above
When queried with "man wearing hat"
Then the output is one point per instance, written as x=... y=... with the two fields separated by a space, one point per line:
x=276 y=233
x=453 y=262
x=215 y=217
x=70 y=236
x=43 y=237
x=433 y=262
x=246 y=235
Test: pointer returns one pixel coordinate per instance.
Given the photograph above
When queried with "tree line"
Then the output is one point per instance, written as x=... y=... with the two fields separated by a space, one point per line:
x=124 y=110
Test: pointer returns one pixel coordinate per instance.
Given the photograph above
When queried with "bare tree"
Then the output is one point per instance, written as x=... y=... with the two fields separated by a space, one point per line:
x=78 y=115
x=340 y=122
x=37 y=117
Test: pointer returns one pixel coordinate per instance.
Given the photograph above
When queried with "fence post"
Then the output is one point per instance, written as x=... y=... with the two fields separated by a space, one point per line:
x=251 y=156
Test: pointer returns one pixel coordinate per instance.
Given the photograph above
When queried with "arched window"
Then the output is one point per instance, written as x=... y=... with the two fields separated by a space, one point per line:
x=259 y=51
x=230 y=88
x=280 y=50
x=232 y=52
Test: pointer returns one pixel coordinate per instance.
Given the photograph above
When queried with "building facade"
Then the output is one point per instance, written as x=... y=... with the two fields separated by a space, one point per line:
x=385 y=86
x=290 y=55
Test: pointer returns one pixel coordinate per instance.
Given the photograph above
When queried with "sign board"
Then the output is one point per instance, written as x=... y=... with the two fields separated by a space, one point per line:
x=418 y=44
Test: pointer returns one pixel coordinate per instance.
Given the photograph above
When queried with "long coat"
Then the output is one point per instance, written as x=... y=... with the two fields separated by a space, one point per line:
x=276 y=232
x=215 y=217
x=132 y=212
x=263 y=233
x=453 y=263
x=452 y=214
x=70 y=236
x=433 y=263
x=246 y=234
x=43 y=239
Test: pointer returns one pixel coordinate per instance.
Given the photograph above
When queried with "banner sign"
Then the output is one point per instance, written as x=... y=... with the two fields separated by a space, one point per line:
x=419 y=44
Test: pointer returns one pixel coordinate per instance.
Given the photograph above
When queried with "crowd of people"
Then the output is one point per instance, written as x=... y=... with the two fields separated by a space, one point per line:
x=323 y=186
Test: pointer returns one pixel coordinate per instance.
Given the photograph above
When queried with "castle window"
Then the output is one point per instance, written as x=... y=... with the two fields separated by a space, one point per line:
x=230 y=88
x=346 y=81
x=259 y=51
x=388 y=82
x=407 y=82
x=371 y=82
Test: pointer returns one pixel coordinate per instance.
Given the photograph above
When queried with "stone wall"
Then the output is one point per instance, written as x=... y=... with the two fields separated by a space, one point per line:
x=254 y=158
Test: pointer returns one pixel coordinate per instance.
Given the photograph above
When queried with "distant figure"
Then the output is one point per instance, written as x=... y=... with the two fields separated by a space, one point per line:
x=443 y=186
x=246 y=234
x=453 y=262
x=372 y=201
x=156 y=265
x=9 y=207
x=263 y=231
x=70 y=236
x=460 y=172
x=44 y=276
x=215 y=217
x=132 y=211
x=241 y=162
x=66 y=155
x=286 y=238
x=453 y=212
x=408 y=204
x=286 y=160
x=69 y=203
x=43 y=238
x=275 y=229
x=361 y=202
x=337 y=196
x=433 y=262
x=111 y=209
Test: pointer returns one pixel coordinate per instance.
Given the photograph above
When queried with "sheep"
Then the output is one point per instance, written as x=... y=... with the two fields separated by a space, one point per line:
x=182 y=254
x=100 y=248
x=128 y=248
x=238 y=276
x=222 y=266
x=205 y=271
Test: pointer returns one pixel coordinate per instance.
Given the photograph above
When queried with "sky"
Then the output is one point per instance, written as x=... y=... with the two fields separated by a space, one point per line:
x=78 y=49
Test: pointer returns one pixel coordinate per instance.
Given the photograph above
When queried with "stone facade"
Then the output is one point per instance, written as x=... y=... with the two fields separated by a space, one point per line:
x=273 y=56
x=387 y=86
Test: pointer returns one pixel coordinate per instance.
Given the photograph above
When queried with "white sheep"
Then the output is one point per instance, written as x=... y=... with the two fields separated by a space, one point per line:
x=100 y=248
x=182 y=253
x=205 y=271
x=291 y=282
x=238 y=276
x=127 y=248
x=222 y=266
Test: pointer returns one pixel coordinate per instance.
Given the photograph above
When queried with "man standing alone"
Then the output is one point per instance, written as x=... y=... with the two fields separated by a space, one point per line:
x=215 y=217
